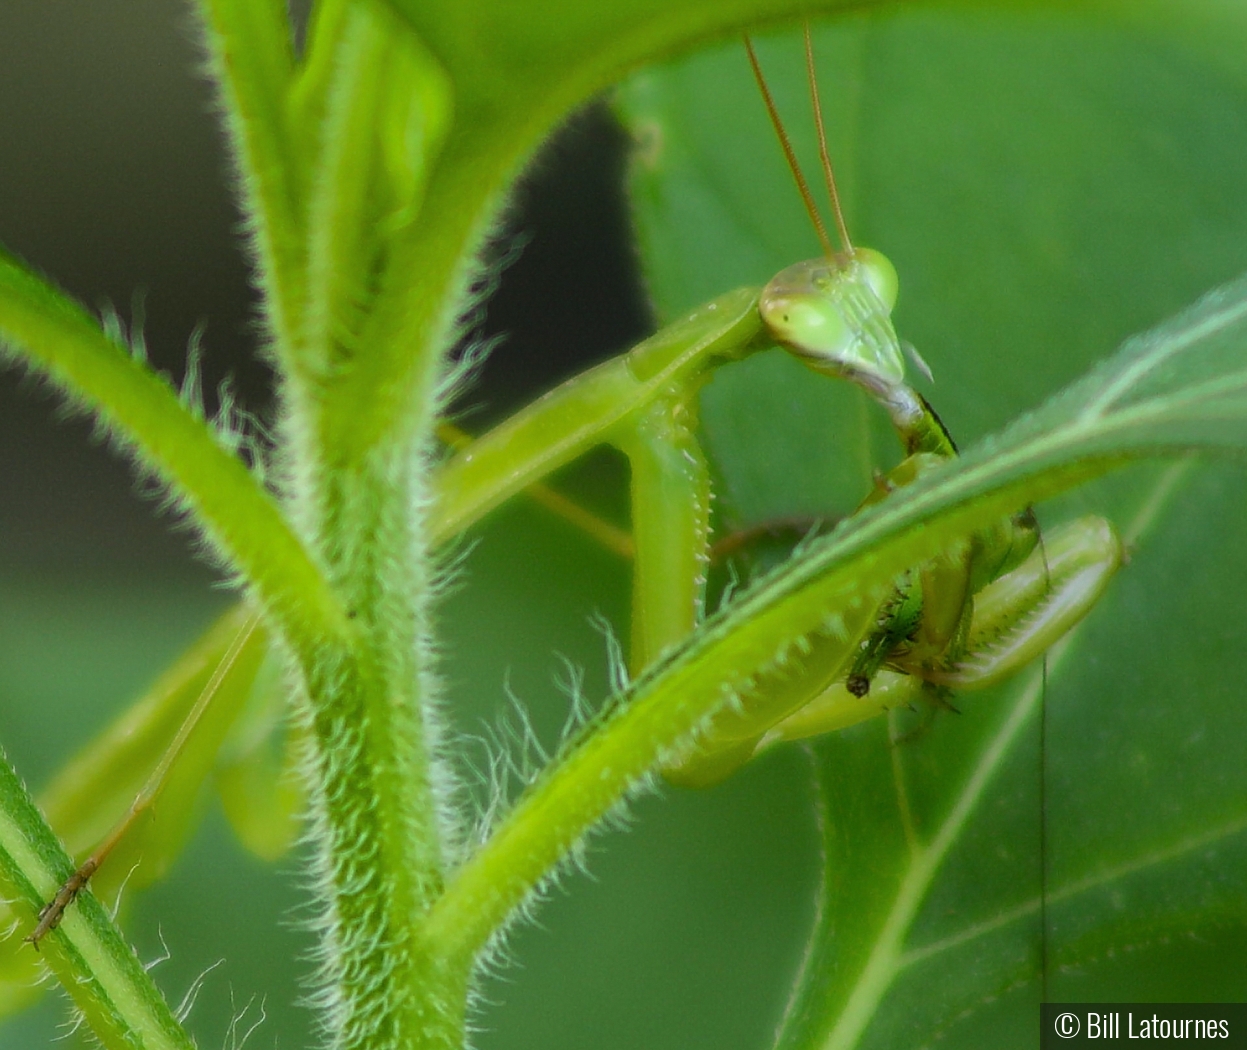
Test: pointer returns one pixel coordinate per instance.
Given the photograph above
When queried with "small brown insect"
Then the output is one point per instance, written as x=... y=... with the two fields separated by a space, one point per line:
x=51 y=914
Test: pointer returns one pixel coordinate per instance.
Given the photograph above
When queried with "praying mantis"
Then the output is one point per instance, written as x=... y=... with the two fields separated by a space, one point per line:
x=974 y=615
x=410 y=913
x=833 y=313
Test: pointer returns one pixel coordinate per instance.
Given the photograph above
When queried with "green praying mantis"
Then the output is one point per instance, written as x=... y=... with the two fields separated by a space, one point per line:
x=978 y=612
x=965 y=620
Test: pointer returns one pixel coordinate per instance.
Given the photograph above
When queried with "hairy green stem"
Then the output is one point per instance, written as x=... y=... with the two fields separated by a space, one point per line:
x=231 y=506
x=361 y=482
x=249 y=44
x=382 y=817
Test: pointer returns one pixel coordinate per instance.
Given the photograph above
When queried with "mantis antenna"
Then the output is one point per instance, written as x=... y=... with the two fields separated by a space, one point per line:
x=824 y=154
x=786 y=145
x=829 y=174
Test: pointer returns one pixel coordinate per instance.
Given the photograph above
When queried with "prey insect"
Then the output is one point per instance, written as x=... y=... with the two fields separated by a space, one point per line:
x=969 y=616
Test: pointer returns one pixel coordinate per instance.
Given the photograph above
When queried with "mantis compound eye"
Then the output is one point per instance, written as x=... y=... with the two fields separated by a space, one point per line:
x=835 y=315
x=878 y=272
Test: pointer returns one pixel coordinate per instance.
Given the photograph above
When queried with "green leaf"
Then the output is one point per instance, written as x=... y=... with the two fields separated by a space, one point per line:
x=256 y=774
x=1047 y=184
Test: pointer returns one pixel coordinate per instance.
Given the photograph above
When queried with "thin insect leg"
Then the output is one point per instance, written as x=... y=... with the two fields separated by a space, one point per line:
x=51 y=914
x=613 y=538
x=903 y=804
x=1043 y=835
x=794 y=527
x=1043 y=789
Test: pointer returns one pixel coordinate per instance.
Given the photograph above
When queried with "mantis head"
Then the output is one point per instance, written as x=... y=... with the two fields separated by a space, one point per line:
x=835 y=314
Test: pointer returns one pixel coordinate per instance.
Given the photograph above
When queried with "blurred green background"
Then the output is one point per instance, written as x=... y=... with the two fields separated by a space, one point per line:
x=113 y=180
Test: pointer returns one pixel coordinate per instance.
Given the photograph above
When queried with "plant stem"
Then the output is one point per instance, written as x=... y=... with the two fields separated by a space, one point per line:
x=382 y=818
x=249 y=42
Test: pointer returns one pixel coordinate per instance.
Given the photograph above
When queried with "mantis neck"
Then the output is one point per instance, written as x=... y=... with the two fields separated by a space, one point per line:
x=915 y=421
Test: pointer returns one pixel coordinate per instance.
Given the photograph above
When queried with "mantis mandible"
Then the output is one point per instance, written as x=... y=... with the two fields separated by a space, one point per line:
x=967 y=618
